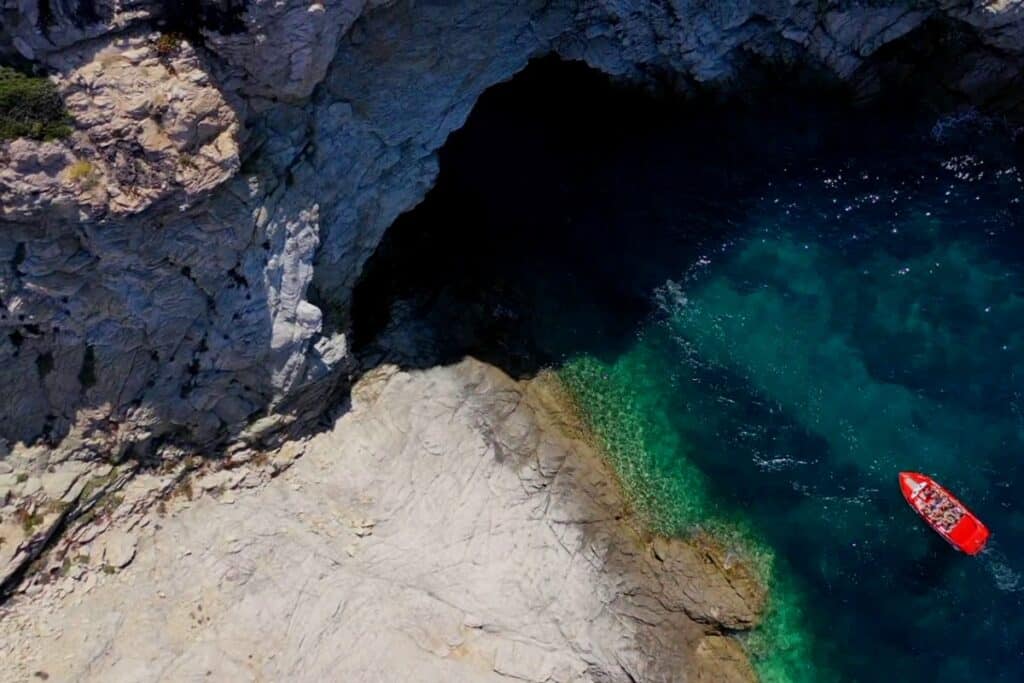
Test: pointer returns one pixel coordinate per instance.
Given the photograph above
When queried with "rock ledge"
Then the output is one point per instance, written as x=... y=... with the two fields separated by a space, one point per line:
x=451 y=527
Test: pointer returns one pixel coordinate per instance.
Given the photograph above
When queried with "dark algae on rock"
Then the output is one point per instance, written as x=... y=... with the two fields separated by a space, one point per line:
x=30 y=107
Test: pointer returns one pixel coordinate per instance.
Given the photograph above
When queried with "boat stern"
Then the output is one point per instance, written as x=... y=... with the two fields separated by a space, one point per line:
x=970 y=535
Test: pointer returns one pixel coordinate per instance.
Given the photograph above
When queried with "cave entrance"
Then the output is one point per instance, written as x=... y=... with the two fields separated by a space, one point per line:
x=567 y=199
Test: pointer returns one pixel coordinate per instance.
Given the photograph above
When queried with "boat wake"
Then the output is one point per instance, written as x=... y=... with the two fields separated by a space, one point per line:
x=998 y=565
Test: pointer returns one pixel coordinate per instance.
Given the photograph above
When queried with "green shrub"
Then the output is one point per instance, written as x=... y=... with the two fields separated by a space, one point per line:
x=30 y=107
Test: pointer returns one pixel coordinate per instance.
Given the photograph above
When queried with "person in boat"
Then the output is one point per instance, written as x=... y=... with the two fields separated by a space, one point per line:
x=952 y=516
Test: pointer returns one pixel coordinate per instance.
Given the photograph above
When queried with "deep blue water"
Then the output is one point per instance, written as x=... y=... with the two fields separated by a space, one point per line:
x=770 y=311
x=865 y=318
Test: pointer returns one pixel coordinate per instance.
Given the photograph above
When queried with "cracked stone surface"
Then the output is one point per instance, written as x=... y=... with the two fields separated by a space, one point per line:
x=453 y=526
x=180 y=268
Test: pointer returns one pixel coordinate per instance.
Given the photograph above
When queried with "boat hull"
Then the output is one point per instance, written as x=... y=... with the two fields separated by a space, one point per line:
x=944 y=513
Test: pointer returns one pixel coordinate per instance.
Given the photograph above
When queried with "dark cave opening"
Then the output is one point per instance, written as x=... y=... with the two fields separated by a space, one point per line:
x=566 y=190
x=192 y=17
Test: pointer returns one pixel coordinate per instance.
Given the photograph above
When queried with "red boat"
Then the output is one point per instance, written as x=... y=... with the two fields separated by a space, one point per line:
x=948 y=516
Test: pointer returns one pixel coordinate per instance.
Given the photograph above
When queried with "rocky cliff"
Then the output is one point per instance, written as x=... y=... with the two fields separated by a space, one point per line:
x=180 y=267
x=177 y=272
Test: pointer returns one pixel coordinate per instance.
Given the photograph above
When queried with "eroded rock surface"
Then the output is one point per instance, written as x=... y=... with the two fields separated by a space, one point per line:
x=181 y=266
x=453 y=526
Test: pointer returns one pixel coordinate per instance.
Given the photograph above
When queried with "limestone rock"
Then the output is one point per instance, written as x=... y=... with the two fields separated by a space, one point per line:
x=11 y=537
x=168 y=288
x=286 y=46
x=179 y=270
x=118 y=548
x=500 y=547
x=57 y=484
x=149 y=127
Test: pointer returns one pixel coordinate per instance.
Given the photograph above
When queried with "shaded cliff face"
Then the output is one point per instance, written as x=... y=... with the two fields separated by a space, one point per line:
x=180 y=267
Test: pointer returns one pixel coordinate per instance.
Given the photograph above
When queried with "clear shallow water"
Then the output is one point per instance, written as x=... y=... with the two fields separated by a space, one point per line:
x=766 y=313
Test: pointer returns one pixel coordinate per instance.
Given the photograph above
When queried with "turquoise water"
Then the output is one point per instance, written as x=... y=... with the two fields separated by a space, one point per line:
x=765 y=317
x=850 y=328
x=839 y=337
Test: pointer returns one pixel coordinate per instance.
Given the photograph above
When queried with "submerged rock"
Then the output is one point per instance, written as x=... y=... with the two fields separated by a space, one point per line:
x=455 y=525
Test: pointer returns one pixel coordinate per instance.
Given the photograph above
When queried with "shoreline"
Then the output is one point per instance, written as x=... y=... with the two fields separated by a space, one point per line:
x=454 y=517
x=676 y=504
x=559 y=407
